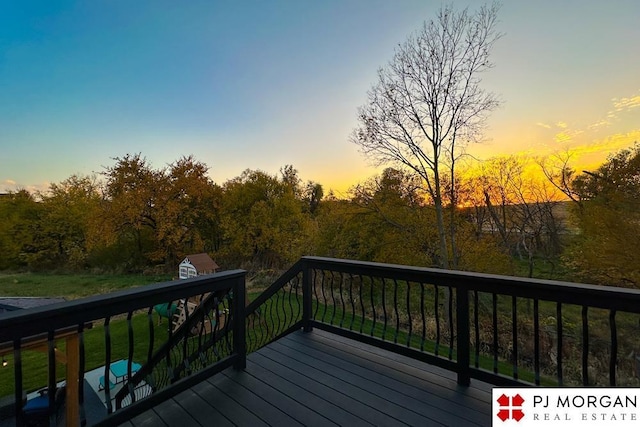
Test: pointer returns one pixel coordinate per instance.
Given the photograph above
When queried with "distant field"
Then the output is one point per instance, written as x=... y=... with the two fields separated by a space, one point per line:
x=70 y=286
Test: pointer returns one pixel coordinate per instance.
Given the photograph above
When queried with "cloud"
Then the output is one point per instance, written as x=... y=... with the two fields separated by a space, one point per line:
x=9 y=185
x=562 y=137
x=567 y=135
x=610 y=144
x=599 y=124
x=543 y=125
x=561 y=125
x=626 y=104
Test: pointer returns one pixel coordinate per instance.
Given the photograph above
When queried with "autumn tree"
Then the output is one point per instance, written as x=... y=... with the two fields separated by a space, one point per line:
x=263 y=220
x=19 y=221
x=428 y=103
x=69 y=210
x=188 y=217
x=312 y=195
x=132 y=190
x=393 y=220
x=605 y=251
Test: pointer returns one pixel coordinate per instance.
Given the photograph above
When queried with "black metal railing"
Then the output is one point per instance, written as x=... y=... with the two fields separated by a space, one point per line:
x=499 y=329
x=277 y=311
x=155 y=360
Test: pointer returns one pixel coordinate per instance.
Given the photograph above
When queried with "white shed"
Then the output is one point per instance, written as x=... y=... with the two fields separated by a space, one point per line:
x=197 y=265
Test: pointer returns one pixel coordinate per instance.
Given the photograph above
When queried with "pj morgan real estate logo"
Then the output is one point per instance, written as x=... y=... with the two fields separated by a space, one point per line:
x=546 y=407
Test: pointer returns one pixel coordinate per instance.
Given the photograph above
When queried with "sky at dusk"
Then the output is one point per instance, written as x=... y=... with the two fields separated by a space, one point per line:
x=261 y=84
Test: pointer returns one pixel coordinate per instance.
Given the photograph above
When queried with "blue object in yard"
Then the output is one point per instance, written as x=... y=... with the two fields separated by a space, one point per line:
x=37 y=404
x=36 y=410
x=119 y=369
x=101 y=387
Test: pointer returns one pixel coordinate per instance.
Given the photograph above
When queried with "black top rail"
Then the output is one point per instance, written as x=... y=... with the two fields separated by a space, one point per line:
x=606 y=297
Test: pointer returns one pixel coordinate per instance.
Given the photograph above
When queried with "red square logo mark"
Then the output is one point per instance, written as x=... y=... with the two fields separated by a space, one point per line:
x=510 y=407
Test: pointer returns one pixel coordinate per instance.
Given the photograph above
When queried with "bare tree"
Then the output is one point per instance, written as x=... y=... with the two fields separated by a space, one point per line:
x=559 y=173
x=428 y=103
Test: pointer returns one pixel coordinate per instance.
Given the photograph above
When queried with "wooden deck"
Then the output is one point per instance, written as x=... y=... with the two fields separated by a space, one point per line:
x=320 y=379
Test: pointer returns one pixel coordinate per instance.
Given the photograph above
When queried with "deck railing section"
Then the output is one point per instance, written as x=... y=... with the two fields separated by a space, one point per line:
x=499 y=329
x=503 y=330
x=277 y=311
x=159 y=360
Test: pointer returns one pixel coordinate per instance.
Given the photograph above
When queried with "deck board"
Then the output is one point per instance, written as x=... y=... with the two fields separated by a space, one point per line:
x=393 y=397
x=381 y=409
x=275 y=397
x=406 y=380
x=200 y=409
x=319 y=379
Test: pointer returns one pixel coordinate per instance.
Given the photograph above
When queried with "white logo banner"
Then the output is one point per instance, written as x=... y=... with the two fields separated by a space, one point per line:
x=547 y=407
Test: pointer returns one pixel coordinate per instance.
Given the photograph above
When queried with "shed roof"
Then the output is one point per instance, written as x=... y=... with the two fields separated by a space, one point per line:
x=202 y=262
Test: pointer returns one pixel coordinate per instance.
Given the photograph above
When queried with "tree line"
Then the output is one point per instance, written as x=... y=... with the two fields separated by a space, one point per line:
x=431 y=206
x=134 y=218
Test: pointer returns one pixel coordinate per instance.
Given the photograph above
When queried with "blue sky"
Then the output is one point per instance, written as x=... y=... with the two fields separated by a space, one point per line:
x=261 y=84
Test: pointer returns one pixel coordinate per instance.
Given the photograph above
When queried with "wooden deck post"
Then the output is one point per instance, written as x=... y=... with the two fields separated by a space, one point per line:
x=73 y=381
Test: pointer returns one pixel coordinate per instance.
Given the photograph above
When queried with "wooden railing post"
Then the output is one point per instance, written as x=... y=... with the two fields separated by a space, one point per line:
x=239 y=324
x=307 y=306
x=463 y=335
x=73 y=381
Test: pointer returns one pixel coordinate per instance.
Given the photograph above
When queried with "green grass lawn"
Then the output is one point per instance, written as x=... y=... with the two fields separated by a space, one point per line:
x=70 y=286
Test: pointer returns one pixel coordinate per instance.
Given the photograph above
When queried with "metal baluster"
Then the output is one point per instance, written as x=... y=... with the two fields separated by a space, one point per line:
x=423 y=317
x=315 y=293
x=152 y=330
x=341 y=300
x=536 y=341
x=333 y=300
x=409 y=314
x=324 y=297
x=614 y=348
x=476 y=323
x=361 y=285
x=494 y=302
x=395 y=310
x=559 y=333
x=451 y=334
x=436 y=303
x=585 y=346
x=278 y=325
x=353 y=306
x=373 y=305
x=514 y=325
x=107 y=364
x=384 y=307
